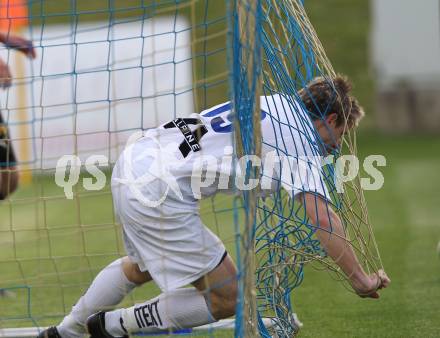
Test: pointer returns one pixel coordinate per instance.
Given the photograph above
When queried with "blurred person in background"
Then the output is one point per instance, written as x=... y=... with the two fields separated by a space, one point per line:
x=8 y=170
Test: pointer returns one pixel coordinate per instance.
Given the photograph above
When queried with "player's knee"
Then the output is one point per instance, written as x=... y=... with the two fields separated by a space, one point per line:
x=229 y=307
x=133 y=273
x=223 y=306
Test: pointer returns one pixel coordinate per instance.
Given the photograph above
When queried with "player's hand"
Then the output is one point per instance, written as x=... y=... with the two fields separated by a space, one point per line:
x=369 y=285
x=22 y=45
x=5 y=75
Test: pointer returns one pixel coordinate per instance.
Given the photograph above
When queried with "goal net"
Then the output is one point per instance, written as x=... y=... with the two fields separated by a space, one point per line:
x=105 y=70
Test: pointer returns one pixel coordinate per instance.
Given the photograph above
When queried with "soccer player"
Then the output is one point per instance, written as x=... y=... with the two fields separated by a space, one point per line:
x=156 y=200
x=8 y=170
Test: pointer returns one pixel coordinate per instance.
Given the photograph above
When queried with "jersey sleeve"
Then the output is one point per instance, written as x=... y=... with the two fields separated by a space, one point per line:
x=302 y=174
x=292 y=155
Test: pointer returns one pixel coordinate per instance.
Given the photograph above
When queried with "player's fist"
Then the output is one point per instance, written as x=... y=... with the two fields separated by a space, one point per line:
x=368 y=285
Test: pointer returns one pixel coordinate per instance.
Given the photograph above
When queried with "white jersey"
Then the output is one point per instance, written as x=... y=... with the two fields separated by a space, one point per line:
x=206 y=140
x=156 y=200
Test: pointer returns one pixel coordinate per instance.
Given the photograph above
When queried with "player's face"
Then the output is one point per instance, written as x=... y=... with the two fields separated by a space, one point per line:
x=337 y=134
x=331 y=133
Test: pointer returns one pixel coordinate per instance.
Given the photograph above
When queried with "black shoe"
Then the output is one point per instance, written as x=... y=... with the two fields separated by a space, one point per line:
x=50 y=332
x=96 y=326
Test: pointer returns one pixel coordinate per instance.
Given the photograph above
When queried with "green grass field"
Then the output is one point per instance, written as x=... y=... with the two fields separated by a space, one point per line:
x=404 y=213
x=50 y=247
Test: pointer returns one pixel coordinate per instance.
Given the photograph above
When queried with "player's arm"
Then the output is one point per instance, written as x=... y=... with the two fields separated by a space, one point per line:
x=331 y=235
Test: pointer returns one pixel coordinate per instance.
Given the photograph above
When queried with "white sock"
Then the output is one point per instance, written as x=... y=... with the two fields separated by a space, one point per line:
x=177 y=309
x=108 y=289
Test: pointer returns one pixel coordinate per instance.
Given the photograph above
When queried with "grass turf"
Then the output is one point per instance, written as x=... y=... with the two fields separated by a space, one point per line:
x=403 y=212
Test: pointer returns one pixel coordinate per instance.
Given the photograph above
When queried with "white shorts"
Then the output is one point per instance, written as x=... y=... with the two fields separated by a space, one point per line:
x=169 y=241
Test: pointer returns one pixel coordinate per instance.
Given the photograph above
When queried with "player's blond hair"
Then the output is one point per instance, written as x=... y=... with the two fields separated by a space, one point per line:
x=323 y=96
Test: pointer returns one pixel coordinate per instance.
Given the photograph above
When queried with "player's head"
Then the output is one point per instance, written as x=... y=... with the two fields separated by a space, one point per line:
x=332 y=108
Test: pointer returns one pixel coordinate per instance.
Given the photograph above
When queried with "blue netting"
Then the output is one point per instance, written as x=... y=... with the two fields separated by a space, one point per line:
x=282 y=232
x=245 y=77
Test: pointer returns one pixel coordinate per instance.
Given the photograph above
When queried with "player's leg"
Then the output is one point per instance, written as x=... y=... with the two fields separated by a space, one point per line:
x=173 y=244
x=213 y=297
x=108 y=289
x=220 y=289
